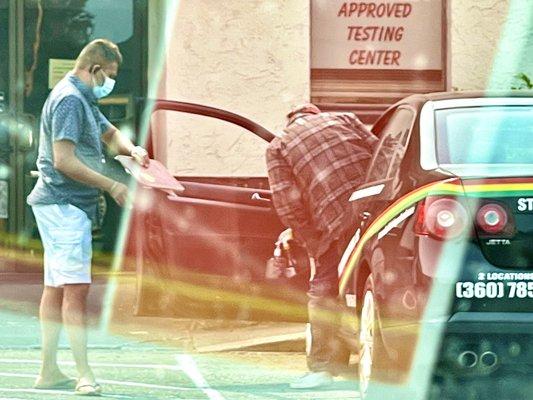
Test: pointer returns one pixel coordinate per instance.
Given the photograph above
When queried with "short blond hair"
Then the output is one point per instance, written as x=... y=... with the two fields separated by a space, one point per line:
x=100 y=51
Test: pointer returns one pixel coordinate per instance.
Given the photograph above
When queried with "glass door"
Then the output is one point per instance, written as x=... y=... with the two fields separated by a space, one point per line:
x=12 y=142
x=4 y=112
x=39 y=41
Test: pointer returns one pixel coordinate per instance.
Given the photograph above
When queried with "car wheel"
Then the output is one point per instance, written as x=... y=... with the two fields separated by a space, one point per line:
x=367 y=338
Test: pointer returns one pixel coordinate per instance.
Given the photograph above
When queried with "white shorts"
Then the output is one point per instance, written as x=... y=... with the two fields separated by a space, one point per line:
x=67 y=240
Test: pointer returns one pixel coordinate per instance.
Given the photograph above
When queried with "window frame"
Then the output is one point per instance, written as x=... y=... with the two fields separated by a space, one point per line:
x=428 y=129
x=404 y=136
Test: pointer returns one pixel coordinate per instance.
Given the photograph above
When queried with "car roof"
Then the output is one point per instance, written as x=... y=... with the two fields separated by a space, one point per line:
x=418 y=100
x=422 y=98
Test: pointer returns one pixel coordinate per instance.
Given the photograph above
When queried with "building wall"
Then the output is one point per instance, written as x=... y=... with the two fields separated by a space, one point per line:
x=249 y=57
x=252 y=57
x=491 y=41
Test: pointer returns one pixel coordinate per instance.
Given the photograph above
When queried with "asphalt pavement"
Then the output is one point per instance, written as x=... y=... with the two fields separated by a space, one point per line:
x=151 y=358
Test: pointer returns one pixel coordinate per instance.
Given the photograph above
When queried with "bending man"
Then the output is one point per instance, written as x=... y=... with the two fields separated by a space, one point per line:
x=313 y=169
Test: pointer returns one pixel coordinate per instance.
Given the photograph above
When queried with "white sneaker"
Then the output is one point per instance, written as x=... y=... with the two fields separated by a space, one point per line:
x=312 y=380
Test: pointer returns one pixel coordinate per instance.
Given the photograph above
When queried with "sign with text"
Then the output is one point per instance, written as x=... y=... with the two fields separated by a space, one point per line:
x=386 y=34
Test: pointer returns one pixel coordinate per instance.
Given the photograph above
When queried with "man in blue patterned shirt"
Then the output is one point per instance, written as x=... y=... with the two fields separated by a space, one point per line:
x=64 y=202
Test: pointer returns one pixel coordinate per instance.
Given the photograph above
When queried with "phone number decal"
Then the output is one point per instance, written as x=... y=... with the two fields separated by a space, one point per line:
x=494 y=290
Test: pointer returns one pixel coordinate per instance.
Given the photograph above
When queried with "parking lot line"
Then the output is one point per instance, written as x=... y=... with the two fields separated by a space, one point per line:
x=111 y=365
x=112 y=382
x=57 y=392
x=187 y=364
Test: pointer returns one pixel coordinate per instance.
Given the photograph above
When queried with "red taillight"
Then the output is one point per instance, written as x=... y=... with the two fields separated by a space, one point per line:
x=441 y=217
x=492 y=218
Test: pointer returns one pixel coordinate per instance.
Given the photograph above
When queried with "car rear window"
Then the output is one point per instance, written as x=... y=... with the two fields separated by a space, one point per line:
x=490 y=135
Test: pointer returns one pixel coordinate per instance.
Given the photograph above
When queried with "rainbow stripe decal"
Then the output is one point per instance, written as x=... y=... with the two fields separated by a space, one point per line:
x=453 y=186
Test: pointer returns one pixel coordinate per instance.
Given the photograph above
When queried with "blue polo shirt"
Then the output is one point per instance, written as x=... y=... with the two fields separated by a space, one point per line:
x=69 y=113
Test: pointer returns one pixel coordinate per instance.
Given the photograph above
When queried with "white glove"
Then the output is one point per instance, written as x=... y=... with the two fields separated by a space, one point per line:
x=284 y=237
x=140 y=155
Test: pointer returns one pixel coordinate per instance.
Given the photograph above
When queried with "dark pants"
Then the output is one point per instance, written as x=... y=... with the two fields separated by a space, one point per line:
x=326 y=352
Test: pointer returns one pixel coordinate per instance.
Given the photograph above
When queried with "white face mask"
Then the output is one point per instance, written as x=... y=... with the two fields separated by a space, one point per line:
x=105 y=89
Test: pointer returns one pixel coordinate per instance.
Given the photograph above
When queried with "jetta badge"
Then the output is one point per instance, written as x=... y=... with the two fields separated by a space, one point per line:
x=496 y=242
x=525 y=204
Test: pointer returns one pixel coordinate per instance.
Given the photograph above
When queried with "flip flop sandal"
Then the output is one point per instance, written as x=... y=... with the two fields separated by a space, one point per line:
x=66 y=384
x=88 y=390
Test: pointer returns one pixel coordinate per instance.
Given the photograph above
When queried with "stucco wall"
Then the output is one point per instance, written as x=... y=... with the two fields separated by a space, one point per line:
x=250 y=57
x=491 y=40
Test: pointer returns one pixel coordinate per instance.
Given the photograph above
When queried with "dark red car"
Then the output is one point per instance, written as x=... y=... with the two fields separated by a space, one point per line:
x=439 y=271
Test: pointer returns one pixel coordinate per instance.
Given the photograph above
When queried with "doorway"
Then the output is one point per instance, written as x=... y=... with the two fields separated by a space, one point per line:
x=39 y=41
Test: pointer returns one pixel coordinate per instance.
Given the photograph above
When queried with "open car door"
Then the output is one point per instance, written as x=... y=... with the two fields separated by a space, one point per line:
x=202 y=251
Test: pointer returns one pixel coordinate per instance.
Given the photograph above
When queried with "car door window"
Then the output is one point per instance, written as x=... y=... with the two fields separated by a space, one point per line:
x=394 y=137
x=200 y=146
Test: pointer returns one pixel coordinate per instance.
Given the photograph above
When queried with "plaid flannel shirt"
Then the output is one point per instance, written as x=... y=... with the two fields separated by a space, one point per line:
x=313 y=168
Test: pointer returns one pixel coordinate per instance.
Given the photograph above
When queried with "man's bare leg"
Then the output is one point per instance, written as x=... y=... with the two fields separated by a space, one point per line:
x=50 y=316
x=75 y=320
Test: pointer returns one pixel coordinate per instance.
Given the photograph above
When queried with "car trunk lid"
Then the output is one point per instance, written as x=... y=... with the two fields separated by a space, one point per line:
x=502 y=212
